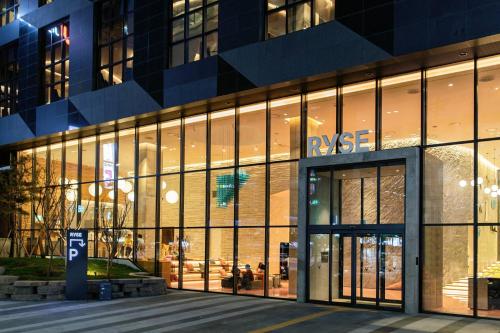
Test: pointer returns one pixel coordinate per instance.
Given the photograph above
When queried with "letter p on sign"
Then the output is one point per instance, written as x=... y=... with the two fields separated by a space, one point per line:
x=72 y=254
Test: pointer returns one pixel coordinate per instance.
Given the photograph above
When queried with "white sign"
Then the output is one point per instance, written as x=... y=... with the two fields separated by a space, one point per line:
x=73 y=251
x=345 y=140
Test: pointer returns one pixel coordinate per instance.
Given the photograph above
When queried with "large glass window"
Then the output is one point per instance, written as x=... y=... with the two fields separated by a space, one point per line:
x=322 y=114
x=222 y=194
x=221 y=260
x=193 y=246
x=283 y=193
x=169 y=201
x=251 y=259
x=8 y=11
x=171 y=146
x=285 y=128
x=146 y=217
x=359 y=110
x=222 y=138
x=252 y=130
x=115 y=42
x=89 y=159
x=282 y=262
x=194 y=26
x=195 y=142
x=488 y=90
x=147 y=151
x=401 y=111
x=286 y=16
x=126 y=153
x=252 y=195
x=56 y=41
x=449 y=184
x=194 y=199
x=71 y=166
x=450 y=103
x=8 y=80
x=488 y=181
x=448 y=269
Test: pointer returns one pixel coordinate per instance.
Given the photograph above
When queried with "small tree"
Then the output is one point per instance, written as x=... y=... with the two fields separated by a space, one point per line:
x=15 y=185
x=110 y=237
x=48 y=200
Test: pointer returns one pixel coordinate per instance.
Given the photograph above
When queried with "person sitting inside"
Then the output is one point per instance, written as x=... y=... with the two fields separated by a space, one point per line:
x=246 y=281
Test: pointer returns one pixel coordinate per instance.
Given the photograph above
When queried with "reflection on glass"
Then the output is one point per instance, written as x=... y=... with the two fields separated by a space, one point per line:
x=126 y=153
x=359 y=110
x=147 y=150
x=146 y=201
x=252 y=133
x=322 y=114
x=193 y=246
x=251 y=259
x=194 y=199
x=222 y=197
x=319 y=197
x=252 y=194
x=195 y=142
x=448 y=269
x=448 y=184
x=282 y=263
x=319 y=259
x=170 y=146
x=283 y=193
x=221 y=260
x=222 y=138
x=401 y=111
x=450 y=103
x=488 y=90
x=169 y=201
x=285 y=128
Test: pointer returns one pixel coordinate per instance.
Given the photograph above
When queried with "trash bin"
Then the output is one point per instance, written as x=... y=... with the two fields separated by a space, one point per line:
x=105 y=291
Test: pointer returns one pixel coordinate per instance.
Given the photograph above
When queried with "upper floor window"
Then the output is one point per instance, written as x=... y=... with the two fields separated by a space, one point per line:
x=56 y=62
x=115 y=42
x=44 y=2
x=286 y=16
x=8 y=80
x=8 y=11
x=193 y=30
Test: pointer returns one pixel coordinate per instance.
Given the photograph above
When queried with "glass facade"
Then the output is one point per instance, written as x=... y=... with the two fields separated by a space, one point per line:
x=55 y=60
x=209 y=201
x=9 y=71
x=8 y=11
x=193 y=30
x=115 y=42
x=287 y=16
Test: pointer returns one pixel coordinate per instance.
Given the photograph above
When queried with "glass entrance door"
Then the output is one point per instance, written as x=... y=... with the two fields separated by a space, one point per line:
x=356 y=227
x=365 y=268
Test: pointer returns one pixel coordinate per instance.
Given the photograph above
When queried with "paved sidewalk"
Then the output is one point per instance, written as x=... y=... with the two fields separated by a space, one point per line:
x=182 y=311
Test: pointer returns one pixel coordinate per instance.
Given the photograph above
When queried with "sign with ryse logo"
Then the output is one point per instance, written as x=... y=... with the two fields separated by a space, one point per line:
x=76 y=264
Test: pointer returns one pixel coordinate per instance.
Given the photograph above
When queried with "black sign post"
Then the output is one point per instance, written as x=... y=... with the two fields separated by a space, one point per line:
x=76 y=265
